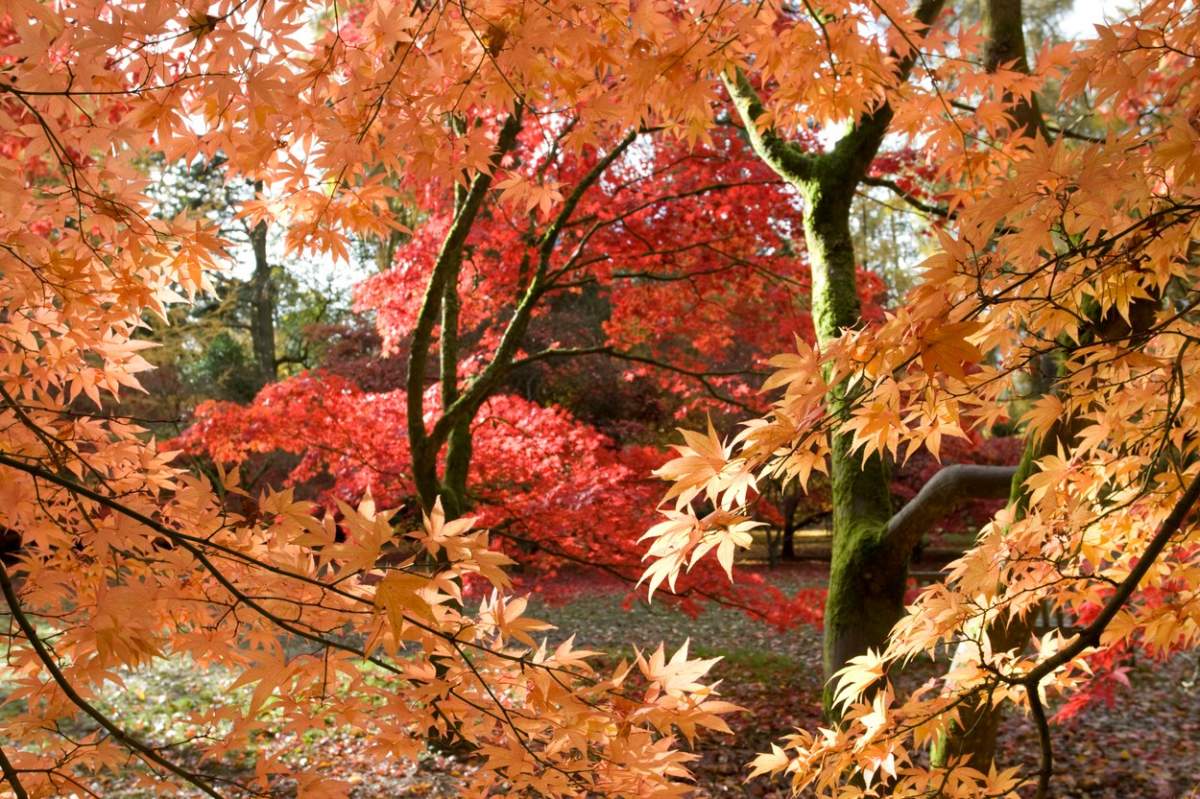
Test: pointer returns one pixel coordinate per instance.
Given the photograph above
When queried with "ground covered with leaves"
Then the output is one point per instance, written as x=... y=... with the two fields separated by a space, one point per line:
x=1146 y=744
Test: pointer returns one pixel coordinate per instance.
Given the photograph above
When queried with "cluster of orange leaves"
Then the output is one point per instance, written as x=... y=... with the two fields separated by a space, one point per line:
x=125 y=557
x=1083 y=251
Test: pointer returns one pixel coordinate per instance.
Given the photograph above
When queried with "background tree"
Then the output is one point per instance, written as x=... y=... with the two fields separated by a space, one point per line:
x=661 y=239
x=225 y=345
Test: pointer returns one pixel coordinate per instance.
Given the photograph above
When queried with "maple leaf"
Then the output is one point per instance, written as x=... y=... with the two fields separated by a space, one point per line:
x=702 y=461
x=769 y=763
x=945 y=348
x=439 y=534
x=399 y=593
x=859 y=674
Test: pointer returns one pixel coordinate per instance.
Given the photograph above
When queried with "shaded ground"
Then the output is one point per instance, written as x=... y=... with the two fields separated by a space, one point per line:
x=1147 y=745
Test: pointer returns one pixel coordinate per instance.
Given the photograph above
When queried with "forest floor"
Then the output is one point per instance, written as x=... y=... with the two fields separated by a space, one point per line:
x=1146 y=745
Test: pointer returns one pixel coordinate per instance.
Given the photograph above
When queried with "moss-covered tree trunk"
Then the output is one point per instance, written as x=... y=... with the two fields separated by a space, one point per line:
x=869 y=567
x=867 y=573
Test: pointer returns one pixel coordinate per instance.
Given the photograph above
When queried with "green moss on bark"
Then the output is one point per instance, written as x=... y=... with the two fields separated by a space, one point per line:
x=867 y=574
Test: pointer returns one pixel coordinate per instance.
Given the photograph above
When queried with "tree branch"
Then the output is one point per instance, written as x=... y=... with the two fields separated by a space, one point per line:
x=479 y=389
x=446 y=264
x=947 y=489
x=857 y=148
x=550 y=238
x=701 y=376
x=10 y=776
x=1045 y=746
x=194 y=544
x=896 y=189
x=1090 y=636
x=1066 y=133
x=788 y=161
x=145 y=751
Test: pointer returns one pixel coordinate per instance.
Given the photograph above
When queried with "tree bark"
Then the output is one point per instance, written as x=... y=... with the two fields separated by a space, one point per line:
x=787 y=544
x=262 y=303
x=460 y=402
x=867 y=575
x=869 y=569
x=945 y=491
x=1004 y=27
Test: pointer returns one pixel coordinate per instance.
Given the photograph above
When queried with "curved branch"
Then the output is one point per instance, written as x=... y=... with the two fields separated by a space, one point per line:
x=447 y=263
x=612 y=352
x=945 y=491
x=907 y=197
x=550 y=238
x=481 y=387
x=788 y=160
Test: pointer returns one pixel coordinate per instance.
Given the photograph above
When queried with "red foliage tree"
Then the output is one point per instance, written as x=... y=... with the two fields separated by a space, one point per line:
x=547 y=485
x=681 y=257
x=678 y=266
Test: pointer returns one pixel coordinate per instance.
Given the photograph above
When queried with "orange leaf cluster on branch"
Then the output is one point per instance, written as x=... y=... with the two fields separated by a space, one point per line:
x=1081 y=253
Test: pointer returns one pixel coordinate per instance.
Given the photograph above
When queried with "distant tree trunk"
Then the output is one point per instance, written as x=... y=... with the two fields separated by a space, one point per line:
x=1004 y=27
x=791 y=501
x=385 y=255
x=262 y=303
x=438 y=324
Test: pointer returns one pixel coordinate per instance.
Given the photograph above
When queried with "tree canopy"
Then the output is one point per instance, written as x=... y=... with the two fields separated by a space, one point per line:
x=573 y=205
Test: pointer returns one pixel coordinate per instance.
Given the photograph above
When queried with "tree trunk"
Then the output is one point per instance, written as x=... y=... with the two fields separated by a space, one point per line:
x=458 y=464
x=869 y=569
x=1004 y=26
x=262 y=304
x=787 y=546
x=867 y=576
